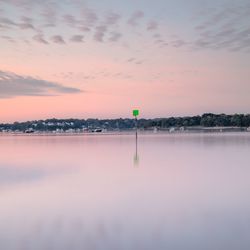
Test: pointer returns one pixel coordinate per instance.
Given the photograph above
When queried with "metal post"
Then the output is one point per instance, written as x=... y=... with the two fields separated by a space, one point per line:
x=136 y=128
x=136 y=157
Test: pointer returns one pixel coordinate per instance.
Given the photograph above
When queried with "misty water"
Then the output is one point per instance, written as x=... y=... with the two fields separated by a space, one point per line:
x=178 y=192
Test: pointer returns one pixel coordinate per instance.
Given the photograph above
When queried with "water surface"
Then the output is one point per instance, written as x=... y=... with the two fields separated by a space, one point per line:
x=180 y=192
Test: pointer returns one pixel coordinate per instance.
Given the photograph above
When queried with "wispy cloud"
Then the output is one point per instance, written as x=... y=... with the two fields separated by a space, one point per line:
x=51 y=17
x=8 y=38
x=226 y=27
x=134 y=19
x=112 y=18
x=152 y=25
x=40 y=39
x=49 y=13
x=26 y=26
x=24 y=3
x=7 y=23
x=100 y=33
x=77 y=38
x=57 y=39
x=178 y=43
x=13 y=85
x=89 y=17
x=70 y=20
x=131 y=59
x=115 y=36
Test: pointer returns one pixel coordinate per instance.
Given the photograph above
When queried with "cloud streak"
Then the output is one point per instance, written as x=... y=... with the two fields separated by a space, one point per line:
x=77 y=39
x=112 y=18
x=135 y=18
x=227 y=27
x=152 y=25
x=13 y=85
x=57 y=39
x=7 y=23
x=100 y=33
x=40 y=39
x=224 y=27
x=89 y=16
x=115 y=36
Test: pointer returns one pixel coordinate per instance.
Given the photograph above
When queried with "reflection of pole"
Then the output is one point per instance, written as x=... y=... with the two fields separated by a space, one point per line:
x=136 y=157
x=136 y=146
x=136 y=137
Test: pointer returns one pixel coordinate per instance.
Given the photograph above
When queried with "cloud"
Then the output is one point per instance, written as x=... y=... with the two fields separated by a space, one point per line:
x=13 y=85
x=26 y=23
x=112 y=18
x=57 y=39
x=90 y=18
x=138 y=62
x=26 y=26
x=39 y=38
x=135 y=61
x=136 y=16
x=131 y=59
x=26 y=19
x=84 y=29
x=7 y=23
x=49 y=13
x=152 y=25
x=157 y=35
x=226 y=27
x=115 y=36
x=8 y=38
x=178 y=43
x=100 y=33
x=25 y=3
x=77 y=38
x=162 y=43
x=70 y=20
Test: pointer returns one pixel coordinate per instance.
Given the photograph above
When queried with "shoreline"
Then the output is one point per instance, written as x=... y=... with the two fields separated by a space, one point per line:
x=130 y=132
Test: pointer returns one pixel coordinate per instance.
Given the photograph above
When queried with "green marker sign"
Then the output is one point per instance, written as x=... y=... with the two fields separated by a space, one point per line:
x=135 y=112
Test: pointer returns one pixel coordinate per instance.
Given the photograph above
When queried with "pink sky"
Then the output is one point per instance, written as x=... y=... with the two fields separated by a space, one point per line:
x=103 y=60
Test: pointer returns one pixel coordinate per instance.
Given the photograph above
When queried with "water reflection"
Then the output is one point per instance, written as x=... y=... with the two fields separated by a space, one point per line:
x=191 y=192
x=136 y=156
x=11 y=175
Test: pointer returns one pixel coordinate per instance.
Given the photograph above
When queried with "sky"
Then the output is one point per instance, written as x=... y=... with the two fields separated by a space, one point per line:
x=101 y=59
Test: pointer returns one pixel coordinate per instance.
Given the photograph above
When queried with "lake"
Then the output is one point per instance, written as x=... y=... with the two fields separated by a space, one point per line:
x=175 y=192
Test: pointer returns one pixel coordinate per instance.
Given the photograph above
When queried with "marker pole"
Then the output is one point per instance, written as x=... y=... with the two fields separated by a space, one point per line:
x=135 y=114
x=136 y=128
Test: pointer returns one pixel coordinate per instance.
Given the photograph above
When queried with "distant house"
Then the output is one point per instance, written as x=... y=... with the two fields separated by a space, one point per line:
x=182 y=129
x=29 y=131
x=171 y=130
x=97 y=130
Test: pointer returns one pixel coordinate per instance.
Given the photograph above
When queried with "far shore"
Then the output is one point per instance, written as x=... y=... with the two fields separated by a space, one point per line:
x=155 y=131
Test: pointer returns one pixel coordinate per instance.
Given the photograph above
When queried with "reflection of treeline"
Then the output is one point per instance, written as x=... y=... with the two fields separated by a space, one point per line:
x=206 y=120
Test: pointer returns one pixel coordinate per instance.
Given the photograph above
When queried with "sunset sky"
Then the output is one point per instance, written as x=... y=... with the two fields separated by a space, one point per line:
x=101 y=59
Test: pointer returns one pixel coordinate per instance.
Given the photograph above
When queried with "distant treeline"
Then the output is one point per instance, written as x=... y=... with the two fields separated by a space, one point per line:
x=205 y=120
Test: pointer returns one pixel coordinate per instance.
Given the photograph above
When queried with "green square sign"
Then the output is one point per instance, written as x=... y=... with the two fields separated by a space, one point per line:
x=135 y=112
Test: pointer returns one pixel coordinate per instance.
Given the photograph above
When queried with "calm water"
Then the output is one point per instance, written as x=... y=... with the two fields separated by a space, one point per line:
x=179 y=192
